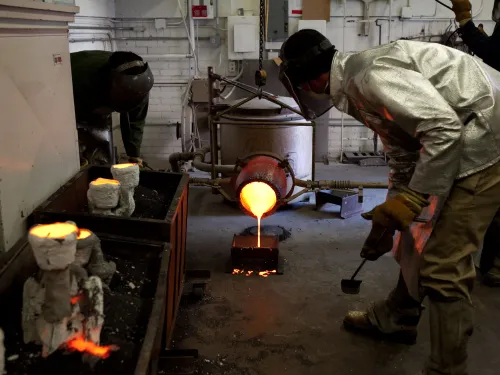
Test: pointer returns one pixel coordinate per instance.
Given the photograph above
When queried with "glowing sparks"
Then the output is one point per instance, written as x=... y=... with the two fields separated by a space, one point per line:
x=104 y=181
x=267 y=273
x=81 y=345
x=55 y=230
x=264 y=274
x=258 y=198
x=75 y=299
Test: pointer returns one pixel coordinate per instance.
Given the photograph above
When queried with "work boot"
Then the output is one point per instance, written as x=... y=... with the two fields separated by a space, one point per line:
x=492 y=278
x=361 y=322
x=451 y=326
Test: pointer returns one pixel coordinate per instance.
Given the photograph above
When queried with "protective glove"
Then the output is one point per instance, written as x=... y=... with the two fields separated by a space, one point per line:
x=136 y=160
x=378 y=242
x=398 y=212
x=481 y=29
x=462 y=10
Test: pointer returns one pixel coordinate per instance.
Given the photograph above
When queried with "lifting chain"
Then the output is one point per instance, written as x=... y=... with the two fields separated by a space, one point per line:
x=261 y=75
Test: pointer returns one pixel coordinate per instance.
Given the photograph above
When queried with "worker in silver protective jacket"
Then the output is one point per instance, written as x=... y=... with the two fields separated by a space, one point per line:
x=437 y=111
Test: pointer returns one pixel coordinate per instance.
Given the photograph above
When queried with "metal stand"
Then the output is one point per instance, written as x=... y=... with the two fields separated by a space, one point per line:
x=350 y=202
x=215 y=118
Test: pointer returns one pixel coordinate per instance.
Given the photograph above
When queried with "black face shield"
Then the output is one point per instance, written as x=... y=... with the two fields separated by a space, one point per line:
x=496 y=12
x=312 y=105
x=128 y=91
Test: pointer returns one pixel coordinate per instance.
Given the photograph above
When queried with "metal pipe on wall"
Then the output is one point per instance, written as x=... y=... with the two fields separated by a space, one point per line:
x=111 y=28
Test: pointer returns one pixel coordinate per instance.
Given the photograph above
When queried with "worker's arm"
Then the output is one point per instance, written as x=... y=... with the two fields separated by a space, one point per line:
x=412 y=102
x=132 y=128
x=485 y=47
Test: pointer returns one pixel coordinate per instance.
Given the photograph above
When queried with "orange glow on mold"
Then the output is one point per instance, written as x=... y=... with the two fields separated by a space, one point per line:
x=55 y=230
x=81 y=345
x=124 y=165
x=84 y=233
x=75 y=299
x=105 y=181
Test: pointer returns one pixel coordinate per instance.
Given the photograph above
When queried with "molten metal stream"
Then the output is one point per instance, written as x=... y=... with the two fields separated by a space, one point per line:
x=258 y=198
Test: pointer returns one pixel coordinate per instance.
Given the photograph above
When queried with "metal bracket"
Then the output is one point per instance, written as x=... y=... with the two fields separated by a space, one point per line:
x=350 y=202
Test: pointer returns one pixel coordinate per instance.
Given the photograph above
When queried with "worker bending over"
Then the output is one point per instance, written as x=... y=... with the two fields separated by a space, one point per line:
x=488 y=49
x=106 y=82
x=437 y=111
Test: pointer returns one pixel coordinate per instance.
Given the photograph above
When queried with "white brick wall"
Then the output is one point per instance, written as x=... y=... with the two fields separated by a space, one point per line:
x=165 y=108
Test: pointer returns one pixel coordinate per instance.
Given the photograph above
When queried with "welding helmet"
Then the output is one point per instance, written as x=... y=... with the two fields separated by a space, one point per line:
x=304 y=57
x=496 y=12
x=130 y=85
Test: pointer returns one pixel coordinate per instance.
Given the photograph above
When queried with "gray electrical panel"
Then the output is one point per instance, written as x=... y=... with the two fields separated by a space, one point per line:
x=277 y=25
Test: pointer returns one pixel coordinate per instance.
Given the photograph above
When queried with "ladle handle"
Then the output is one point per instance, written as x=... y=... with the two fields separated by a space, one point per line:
x=359 y=269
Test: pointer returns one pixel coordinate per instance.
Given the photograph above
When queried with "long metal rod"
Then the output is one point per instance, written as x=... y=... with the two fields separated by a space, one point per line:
x=313 y=167
x=443 y=4
x=213 y=147
x=338 y=184
x=259 y=93
x=289 y=123
x=237 y=105
x=159 y=38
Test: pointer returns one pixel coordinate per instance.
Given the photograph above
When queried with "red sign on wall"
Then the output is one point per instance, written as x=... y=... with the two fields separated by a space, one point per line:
x=199 y=11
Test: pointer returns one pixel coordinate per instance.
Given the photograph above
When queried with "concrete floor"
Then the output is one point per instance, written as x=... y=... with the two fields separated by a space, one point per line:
x=292 y=324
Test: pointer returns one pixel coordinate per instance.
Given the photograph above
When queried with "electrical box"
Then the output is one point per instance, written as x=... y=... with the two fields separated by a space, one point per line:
x=202 y=9
x=243 y=37
x=406 y=13
x=318 y=25
x=199 y=90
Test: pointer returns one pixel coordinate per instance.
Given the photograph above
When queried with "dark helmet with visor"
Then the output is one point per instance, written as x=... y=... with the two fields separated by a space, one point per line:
x=304 y=57
x=131 y=83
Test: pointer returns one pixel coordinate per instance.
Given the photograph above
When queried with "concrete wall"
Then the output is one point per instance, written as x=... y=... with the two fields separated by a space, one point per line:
x=429 y=18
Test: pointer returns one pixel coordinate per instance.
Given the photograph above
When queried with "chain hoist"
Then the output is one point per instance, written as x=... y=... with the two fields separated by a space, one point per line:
x=261 y=75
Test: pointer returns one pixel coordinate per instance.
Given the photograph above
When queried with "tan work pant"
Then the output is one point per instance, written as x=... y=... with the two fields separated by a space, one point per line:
x=447 y=273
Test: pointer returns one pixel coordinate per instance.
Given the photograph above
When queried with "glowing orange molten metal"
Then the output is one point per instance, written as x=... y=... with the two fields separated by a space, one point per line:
x=75 y=299
x=55 y=230
x=124 y=165
x=84 y=233
x=258 y=198
x=81 y=345
x=104 y=181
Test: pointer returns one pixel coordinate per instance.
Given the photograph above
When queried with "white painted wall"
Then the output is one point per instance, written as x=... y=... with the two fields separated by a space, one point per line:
x=92 y=13
x=429 y=18
x=38 y=139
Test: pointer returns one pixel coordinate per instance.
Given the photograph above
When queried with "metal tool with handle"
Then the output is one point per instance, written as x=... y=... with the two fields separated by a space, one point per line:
x=443 y=4
x=351 y=286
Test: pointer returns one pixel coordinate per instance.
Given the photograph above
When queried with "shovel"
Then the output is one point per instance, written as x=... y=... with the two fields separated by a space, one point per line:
x=351 y=286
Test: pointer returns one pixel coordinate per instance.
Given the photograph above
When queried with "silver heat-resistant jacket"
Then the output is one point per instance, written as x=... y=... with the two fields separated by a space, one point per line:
x=436 y=109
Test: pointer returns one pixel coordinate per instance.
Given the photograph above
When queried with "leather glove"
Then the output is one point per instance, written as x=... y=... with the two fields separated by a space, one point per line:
x=398 y=212
x=136 y=160
x=481 y=29
x=378 y=242
x=462 y=10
